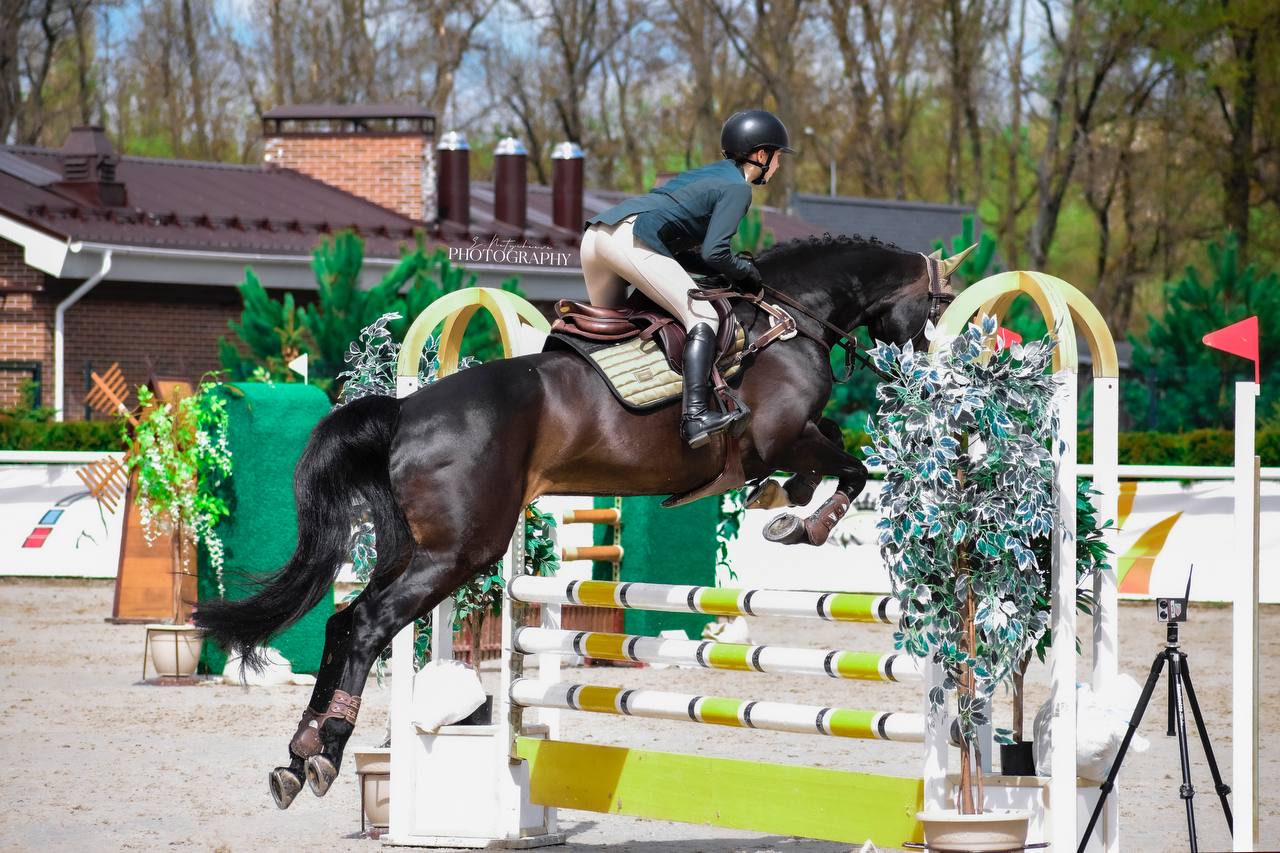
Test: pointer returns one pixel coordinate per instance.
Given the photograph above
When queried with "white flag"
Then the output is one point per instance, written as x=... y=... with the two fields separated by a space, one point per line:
x=299 y=365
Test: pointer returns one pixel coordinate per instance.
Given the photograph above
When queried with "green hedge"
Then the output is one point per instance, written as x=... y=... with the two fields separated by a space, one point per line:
x=1197 y=447
x=18 y=433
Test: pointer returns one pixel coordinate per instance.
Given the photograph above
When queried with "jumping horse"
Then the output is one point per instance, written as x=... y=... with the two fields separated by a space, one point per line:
x=445 y=472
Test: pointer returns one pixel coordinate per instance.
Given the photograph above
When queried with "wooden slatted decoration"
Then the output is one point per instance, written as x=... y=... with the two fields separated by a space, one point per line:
x=109 y=393
x=106 y=480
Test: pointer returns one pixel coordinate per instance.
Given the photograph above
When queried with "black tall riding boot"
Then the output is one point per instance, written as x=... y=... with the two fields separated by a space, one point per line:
x=700 y=420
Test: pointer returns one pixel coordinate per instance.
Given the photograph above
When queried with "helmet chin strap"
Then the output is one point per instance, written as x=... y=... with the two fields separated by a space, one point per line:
x=764 y=169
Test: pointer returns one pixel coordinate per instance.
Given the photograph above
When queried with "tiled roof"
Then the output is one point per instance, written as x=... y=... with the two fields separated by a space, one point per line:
x=184 y=204
x=913 y=225
x=202 y=206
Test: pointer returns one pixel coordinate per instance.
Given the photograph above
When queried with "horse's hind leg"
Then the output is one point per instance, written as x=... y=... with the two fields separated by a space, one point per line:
x=286 y=782
x=351 y=647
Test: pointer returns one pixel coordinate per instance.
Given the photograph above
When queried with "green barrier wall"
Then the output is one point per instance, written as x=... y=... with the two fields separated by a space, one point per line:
x=267 y=430
x=675 y=546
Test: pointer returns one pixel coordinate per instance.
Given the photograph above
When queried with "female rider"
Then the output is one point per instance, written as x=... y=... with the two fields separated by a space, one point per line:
x=686 y=224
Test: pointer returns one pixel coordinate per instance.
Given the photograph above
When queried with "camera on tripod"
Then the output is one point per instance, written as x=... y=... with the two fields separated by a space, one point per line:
x=1175 y=609
x=1170 y=611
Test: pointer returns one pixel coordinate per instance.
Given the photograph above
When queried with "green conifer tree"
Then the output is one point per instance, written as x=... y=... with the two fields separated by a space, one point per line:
x=1191 y=383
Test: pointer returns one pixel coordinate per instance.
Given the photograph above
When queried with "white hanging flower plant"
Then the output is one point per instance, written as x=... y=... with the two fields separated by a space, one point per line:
x=179 y=452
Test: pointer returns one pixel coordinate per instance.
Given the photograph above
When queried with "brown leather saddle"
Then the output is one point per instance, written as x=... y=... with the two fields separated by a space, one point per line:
x=639 y=317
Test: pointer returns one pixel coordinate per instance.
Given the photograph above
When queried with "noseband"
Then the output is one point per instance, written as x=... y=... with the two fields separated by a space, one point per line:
x=940 y=295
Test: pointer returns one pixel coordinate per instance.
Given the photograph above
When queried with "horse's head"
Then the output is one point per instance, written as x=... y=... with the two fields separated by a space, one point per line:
x=902 y=312
x=853 y=281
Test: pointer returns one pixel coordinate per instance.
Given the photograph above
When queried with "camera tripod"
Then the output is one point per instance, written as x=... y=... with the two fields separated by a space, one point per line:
x=1179 y=681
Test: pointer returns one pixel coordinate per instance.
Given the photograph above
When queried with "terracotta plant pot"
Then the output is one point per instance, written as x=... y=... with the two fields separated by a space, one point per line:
x=174 y=650
x=373 y=769
x=947 y=829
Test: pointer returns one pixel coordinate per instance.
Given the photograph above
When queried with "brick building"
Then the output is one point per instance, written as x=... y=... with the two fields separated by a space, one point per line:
x=135 y=260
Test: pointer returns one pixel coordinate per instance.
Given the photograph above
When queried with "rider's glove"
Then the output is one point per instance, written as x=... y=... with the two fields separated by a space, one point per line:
x=752 y=281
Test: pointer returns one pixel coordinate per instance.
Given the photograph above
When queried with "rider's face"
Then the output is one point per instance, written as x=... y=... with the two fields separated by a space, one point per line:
x=760 y=155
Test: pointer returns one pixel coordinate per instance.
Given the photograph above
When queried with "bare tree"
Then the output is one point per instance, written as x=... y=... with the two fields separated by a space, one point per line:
x=880 y=46
x=770 y=39
x=964 y=27
x=1095 y=40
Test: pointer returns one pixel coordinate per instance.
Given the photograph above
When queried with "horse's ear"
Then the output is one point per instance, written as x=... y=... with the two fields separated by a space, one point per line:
x=949 y=265
x=936 y=254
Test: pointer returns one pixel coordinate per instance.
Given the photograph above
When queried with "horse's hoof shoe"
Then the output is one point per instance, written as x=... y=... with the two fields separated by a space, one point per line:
x=320 y=774
x=786 y=529
x=767 y=495
x=285 y=785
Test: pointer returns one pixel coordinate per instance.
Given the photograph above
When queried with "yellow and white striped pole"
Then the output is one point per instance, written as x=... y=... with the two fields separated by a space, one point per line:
x=714 y=601
x=863 y=666
x=719 y=711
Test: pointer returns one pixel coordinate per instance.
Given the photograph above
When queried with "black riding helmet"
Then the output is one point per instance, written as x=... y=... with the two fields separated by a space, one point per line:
x=748 y=130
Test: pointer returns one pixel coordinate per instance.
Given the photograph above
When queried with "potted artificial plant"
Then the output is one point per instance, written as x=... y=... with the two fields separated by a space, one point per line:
x=178 y=450
x=1018 y=758
x=966 y=436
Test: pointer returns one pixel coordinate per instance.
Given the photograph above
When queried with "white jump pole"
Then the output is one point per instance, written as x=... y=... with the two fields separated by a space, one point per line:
x=1106 y=616
x=1243 y=339
x=1062 y=786
x=1244 y=633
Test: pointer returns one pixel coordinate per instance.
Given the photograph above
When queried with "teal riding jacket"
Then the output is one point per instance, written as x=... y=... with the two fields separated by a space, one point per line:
x=691 y=218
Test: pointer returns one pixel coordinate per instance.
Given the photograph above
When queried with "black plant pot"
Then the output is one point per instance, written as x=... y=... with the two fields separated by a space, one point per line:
x=1017 y=759
x=481 y=716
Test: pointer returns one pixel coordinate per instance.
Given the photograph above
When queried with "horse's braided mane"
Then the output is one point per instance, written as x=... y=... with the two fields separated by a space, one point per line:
x=801 y=246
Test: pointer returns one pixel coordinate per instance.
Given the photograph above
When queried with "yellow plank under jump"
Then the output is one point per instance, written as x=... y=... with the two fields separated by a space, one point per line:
x=778 y=799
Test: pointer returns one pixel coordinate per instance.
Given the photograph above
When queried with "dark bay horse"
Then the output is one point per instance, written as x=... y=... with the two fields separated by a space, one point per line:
x=445 y=472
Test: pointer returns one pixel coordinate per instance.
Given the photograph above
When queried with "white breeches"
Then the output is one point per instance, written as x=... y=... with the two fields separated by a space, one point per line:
x=612 y=257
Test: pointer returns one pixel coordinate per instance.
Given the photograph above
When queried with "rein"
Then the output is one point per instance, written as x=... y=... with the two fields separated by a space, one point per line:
x=939 y=298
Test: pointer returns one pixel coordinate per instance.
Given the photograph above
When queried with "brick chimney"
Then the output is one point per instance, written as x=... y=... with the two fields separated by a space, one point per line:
x=380 y=152
x=89 y=168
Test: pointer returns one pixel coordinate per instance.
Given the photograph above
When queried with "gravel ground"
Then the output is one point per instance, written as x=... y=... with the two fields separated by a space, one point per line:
x=99 y=761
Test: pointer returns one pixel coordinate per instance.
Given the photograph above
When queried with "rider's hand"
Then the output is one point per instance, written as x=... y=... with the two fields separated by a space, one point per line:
x=752 y=281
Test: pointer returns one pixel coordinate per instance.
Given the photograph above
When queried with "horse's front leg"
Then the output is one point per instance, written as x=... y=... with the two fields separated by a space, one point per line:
x=799 y=488
x=815 y=455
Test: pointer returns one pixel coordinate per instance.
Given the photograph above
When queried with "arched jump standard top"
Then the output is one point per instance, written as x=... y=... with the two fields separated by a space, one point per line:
x=456 y=310
x=994 y=295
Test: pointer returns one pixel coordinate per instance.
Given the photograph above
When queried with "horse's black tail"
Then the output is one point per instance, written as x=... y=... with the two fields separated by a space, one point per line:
x=346 y=460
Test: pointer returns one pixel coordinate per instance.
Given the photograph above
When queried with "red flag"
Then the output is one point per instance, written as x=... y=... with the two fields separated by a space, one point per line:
x=1239 y=339
x=1007 y=337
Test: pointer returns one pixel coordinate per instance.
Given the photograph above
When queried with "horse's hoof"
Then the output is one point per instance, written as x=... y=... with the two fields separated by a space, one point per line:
x=786 y=529
x=285 y=785
x=767 y=495
x=320 y=774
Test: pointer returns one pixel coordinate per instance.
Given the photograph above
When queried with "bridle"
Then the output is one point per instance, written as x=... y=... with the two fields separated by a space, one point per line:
x=940 y=297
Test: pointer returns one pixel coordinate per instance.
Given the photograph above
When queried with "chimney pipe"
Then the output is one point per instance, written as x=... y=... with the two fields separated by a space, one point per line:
x=454 y=162
x=510 y=178
x=566 y=186
x=89 y=168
